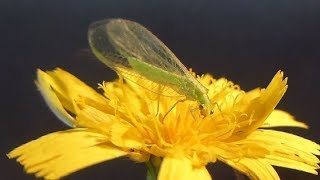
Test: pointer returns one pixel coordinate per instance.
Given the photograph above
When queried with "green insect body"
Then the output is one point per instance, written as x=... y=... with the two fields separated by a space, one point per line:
x=134 y=52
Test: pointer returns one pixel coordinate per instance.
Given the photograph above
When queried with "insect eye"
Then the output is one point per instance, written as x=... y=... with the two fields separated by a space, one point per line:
x=211 y=111
x=201 y=106
x=132 y=150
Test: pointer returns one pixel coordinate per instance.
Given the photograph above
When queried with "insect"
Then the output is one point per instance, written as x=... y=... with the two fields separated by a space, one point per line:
x=134 y=52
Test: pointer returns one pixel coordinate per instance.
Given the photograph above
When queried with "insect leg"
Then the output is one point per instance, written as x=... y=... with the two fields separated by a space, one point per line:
x=218 y=108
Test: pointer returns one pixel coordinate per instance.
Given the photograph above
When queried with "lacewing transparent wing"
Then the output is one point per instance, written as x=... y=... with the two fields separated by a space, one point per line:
x=136 y=54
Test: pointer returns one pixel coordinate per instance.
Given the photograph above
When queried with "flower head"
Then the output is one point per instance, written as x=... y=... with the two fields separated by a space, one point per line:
x=169 y=133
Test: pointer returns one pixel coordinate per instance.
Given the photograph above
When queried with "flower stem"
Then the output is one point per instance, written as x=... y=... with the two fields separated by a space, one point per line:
x=153 y=167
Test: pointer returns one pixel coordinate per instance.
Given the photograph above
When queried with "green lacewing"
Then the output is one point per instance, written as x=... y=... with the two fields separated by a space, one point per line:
x=134 y=53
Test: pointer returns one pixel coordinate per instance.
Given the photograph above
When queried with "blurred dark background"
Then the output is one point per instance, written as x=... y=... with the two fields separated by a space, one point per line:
x=247 y=41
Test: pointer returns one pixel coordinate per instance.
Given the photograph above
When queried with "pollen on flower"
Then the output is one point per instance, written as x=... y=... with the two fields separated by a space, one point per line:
x=168 y=125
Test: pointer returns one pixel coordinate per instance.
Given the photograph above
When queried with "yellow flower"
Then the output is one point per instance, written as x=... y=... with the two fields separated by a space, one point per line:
x=167 y=133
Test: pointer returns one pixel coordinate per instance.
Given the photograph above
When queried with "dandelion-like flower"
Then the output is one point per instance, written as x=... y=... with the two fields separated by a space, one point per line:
x=168 y=134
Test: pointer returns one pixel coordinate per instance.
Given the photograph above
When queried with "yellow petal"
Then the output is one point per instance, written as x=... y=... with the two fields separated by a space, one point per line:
x=65 y=93
x=281 y=118
x=278 y=137
x=51 y=98
x=61 y=153
x=91 y=117
x=257 y=169
x=288 y=150
x=292 y=163
x=71 y=88
x=258 y=108
x=181 y=169
x=126 y=136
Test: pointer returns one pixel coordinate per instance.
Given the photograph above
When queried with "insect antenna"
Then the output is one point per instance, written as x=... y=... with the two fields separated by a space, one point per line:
x=85 y=53
x=174 y=105
x=158 y=103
